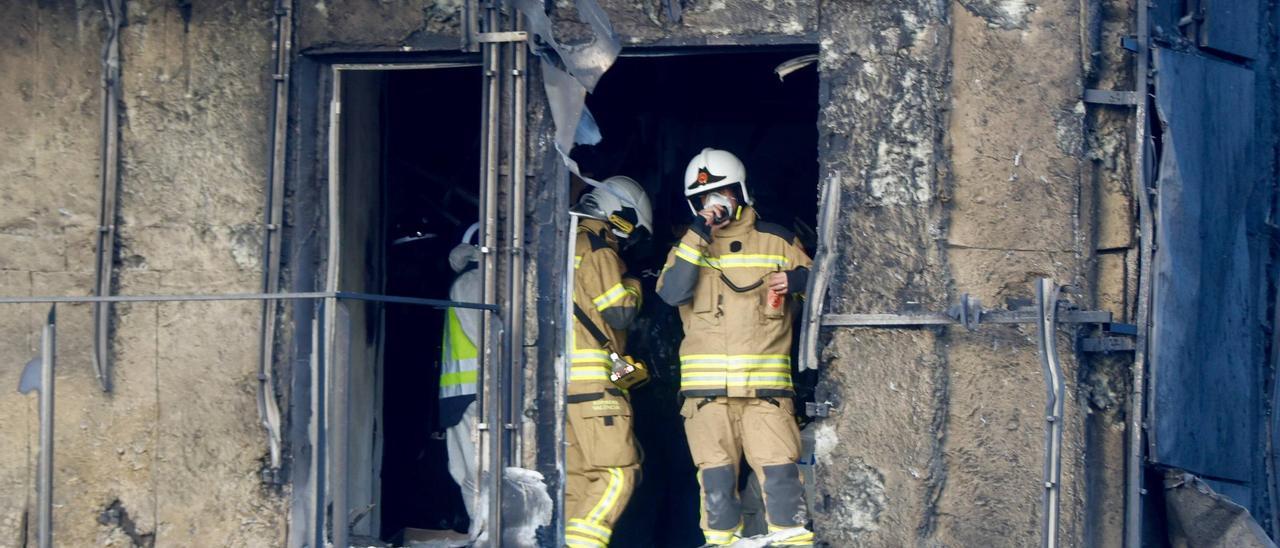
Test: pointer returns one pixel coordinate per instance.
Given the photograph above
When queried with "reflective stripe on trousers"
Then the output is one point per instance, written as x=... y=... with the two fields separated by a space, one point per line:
x=601 y=468
x=580 y=532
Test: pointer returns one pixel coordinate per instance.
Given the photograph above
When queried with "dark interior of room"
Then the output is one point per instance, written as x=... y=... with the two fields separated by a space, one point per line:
x=655 y=113
x=430 y=165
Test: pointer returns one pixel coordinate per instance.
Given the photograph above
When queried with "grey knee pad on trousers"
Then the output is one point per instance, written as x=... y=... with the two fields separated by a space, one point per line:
x=784 y=495
x=720 y=498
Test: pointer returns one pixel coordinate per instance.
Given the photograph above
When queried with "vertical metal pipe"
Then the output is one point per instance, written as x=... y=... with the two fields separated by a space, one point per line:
x=268 y=410
x=339 y=376
x=470 y=25
x=1134 y=460
x=319 y=326
x=1051 y=496
x=506 y=258
x=491 y=430
x=515 y=217
x=45 y=472
x=110 y=182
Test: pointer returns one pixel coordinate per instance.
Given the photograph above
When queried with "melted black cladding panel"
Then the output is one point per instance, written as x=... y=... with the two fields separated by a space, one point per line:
x=1205 y=374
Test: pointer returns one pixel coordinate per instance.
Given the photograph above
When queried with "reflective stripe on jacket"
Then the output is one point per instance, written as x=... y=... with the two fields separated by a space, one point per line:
x=737 y=337
x=608 y=299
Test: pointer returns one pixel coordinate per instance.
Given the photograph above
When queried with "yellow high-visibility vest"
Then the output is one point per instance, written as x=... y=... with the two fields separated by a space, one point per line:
x=459 y=360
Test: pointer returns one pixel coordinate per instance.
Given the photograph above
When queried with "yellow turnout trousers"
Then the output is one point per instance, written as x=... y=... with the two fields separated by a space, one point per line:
x=720 y=429
x=602 y=466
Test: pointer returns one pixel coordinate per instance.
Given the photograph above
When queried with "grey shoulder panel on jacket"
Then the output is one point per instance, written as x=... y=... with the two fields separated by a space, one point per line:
x=678 y=283
x=777 y=230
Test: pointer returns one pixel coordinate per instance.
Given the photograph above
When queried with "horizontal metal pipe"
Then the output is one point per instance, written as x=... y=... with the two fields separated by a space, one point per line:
x=994 y=317
x=349 y=295
x=885 y=320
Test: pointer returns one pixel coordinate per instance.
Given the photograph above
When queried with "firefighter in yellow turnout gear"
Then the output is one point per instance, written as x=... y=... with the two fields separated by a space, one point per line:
x=733 y=277
x=602 y=459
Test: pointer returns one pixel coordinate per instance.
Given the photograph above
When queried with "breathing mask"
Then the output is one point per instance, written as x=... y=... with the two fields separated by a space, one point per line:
x=717 y=199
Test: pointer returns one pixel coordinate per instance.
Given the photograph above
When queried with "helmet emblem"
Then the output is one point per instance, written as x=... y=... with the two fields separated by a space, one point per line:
x=705 y=177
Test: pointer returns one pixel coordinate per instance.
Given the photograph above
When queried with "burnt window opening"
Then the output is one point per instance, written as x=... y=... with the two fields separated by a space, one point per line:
x=408 y=151
x=655 y=113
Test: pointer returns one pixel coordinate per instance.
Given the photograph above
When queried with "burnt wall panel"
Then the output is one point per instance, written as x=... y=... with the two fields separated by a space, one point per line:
x=880 y=463
x=368 y=25
x=1016 y=139
x=49 y=77
x=704 y=23
x=176 y=448
x=962 y=160
x=196 y=88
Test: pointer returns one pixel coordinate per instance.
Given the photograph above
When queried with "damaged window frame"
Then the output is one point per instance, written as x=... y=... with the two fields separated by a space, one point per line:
x=333 y=350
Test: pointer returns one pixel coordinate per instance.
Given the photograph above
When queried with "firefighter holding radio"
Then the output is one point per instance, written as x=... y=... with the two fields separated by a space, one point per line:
x=602 y=458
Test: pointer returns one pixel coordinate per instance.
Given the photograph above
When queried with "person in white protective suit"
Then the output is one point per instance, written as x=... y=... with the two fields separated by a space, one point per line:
x=459 y=363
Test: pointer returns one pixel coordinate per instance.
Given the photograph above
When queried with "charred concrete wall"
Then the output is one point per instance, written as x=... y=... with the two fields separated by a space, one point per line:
x=172 y=455
x=954 y=130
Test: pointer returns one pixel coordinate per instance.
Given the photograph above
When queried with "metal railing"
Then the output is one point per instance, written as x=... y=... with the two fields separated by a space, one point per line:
x=330 y=369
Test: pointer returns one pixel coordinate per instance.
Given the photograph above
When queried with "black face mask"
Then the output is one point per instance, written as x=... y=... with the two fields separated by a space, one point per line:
x=640 y=234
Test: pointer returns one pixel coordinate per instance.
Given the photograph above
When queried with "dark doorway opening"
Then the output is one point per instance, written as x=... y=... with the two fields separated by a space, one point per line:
x=409 y=157
x=431 y=160
x=656 y=112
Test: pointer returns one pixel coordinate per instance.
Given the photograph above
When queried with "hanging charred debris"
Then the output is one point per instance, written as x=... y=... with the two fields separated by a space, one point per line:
x=314 y=268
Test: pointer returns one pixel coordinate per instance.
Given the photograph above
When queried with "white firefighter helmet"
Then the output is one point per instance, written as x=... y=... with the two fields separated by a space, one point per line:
x=623 y=204
x=712 y=169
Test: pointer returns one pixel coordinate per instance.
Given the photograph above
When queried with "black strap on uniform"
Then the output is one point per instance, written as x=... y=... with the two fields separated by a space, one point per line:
x=738 y=289
x=593 y=396
x=582 y=398
x=595 y=331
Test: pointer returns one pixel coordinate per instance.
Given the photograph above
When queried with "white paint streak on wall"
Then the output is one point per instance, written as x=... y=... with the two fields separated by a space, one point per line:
x=1014 y=10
